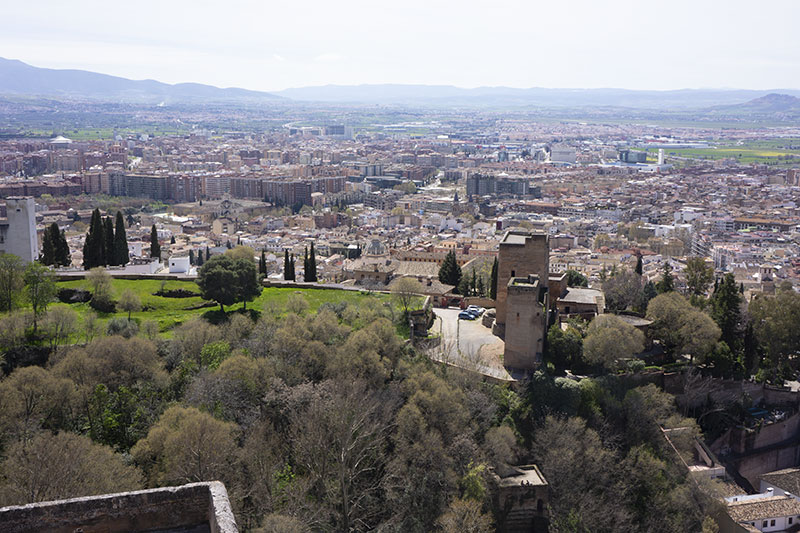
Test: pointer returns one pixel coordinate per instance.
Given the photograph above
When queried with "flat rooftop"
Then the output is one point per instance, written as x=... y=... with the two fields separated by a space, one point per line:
x=523 y=475
x=581 y=296
x=518 y=238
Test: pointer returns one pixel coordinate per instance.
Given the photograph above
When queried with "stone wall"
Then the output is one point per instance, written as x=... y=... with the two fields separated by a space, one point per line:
x=196 y=505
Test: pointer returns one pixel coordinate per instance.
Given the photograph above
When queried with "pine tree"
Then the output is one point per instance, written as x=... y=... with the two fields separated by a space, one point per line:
x=121 y=256
x=450 y=272
x=108 y=242
x=493 y=286
x=155 y=246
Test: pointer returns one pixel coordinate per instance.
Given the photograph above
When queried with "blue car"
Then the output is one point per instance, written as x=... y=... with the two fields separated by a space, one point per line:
x=466 y=315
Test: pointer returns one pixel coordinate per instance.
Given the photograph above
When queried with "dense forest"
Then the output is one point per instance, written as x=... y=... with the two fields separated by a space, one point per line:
x=329 y=420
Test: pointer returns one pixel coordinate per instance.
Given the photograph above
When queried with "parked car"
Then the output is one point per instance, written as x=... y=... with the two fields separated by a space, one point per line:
x=466 y=315
x=477 y=311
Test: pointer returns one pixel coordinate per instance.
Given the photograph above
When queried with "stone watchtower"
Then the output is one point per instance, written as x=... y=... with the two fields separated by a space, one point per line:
x=18 y=233
x=522 y=296
x=526 y=322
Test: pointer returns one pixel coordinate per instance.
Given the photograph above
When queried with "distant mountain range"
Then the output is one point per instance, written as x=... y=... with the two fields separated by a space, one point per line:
x=541 y=97
x=18 y=78
x=772 y=103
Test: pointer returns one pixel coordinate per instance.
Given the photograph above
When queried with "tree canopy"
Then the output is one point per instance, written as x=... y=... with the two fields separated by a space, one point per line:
x=609 y=339
x=218 y=280
x=450 y=271
x=576 y=279
x=682 y=328
x=227 y=280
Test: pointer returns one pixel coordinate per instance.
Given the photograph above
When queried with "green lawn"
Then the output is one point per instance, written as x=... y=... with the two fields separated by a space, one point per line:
x=170 y=312
x=771 y=151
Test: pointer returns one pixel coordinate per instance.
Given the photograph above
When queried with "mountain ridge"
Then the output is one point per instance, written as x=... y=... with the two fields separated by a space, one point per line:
x=17 y=77
x=535 y=96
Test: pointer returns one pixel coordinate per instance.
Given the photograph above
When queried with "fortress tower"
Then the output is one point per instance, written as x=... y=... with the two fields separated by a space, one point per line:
x=18 y=232
x=522 y=297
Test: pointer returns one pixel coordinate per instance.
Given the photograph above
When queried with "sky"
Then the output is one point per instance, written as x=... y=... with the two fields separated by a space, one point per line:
x=271 y=45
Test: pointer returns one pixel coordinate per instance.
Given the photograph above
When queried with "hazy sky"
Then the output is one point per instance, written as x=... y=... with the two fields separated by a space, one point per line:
x=271 y=45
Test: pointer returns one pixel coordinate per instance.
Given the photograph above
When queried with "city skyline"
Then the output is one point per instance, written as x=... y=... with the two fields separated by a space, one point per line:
x=575 y=44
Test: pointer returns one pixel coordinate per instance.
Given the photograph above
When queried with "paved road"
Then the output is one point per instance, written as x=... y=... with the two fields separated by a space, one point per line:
x=468 y=344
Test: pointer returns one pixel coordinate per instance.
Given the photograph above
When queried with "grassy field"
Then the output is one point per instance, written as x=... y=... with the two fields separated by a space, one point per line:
x=170 y=312
x=773 y=151
x=104 y=133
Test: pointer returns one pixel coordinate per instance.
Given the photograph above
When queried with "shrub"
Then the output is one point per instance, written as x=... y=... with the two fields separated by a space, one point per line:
x=103 y=305
x=123 y=327
x=72 y=296
x=636 y=365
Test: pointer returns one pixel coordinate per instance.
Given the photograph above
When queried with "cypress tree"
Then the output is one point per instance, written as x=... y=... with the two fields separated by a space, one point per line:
x=208 y=253
x=286 y=265
x=108 y=242
x=172 y=239
x=94 y=243
x=450 y=272
x=62 y=257
x=262 y=265
x=726 y=303
x=312 y=264
x=155 y=246
x=200 y=258
x=121 y=256
x=191 y=257
x=667 y=283
x=291 y=268
x=493 y=285
x=306 y=270
x=48 y=256
x=639 y=268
